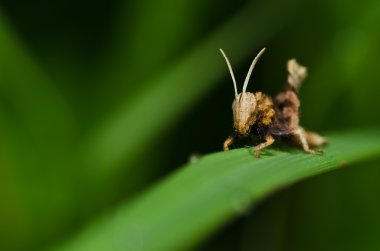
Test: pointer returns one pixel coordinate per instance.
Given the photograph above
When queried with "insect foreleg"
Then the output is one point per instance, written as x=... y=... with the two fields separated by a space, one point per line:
x=228 y=142
x=268 y=141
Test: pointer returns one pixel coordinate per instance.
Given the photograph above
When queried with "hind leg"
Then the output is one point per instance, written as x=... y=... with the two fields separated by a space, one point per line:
x=314 y=139
x=300 y=135
x=268 y=141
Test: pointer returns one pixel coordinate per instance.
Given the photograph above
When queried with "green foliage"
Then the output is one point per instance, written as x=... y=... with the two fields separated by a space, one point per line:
x=200 y=197
x=98 y=100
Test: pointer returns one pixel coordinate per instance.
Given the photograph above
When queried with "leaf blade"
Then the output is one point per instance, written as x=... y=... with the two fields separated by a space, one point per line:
x=197 y=199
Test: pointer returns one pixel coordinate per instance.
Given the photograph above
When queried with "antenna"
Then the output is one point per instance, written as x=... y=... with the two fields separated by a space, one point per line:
x=231 y=72
x=251 y=68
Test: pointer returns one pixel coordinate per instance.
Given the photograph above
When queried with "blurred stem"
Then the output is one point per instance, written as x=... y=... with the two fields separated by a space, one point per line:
x=148 y=34
x=28 y=89
x=156 y=30
x=36 y=132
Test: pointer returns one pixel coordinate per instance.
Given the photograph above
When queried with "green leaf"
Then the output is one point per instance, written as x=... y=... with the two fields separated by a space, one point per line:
x=196 y=200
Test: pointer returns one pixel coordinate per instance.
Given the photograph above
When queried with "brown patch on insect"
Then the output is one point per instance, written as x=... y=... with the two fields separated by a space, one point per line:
x=257 y=114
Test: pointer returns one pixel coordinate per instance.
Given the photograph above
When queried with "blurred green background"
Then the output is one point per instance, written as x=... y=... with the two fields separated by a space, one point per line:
x=99 y=100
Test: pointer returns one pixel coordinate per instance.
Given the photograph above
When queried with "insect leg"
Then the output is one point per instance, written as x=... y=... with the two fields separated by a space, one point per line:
x=268 y=141
x=314 y=139
x=299 y=133
x=228 y=142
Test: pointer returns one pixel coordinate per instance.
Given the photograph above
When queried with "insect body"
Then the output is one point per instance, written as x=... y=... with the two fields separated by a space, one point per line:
x=258 y=114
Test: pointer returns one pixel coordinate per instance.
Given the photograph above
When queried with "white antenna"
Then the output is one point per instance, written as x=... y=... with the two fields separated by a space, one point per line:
x=251 y=68
x=231 y=72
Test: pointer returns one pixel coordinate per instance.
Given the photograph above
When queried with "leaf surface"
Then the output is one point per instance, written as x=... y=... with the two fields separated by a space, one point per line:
x=197 y=199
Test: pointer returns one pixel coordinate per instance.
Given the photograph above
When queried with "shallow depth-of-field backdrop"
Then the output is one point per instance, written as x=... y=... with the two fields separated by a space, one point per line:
x=101 y=100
